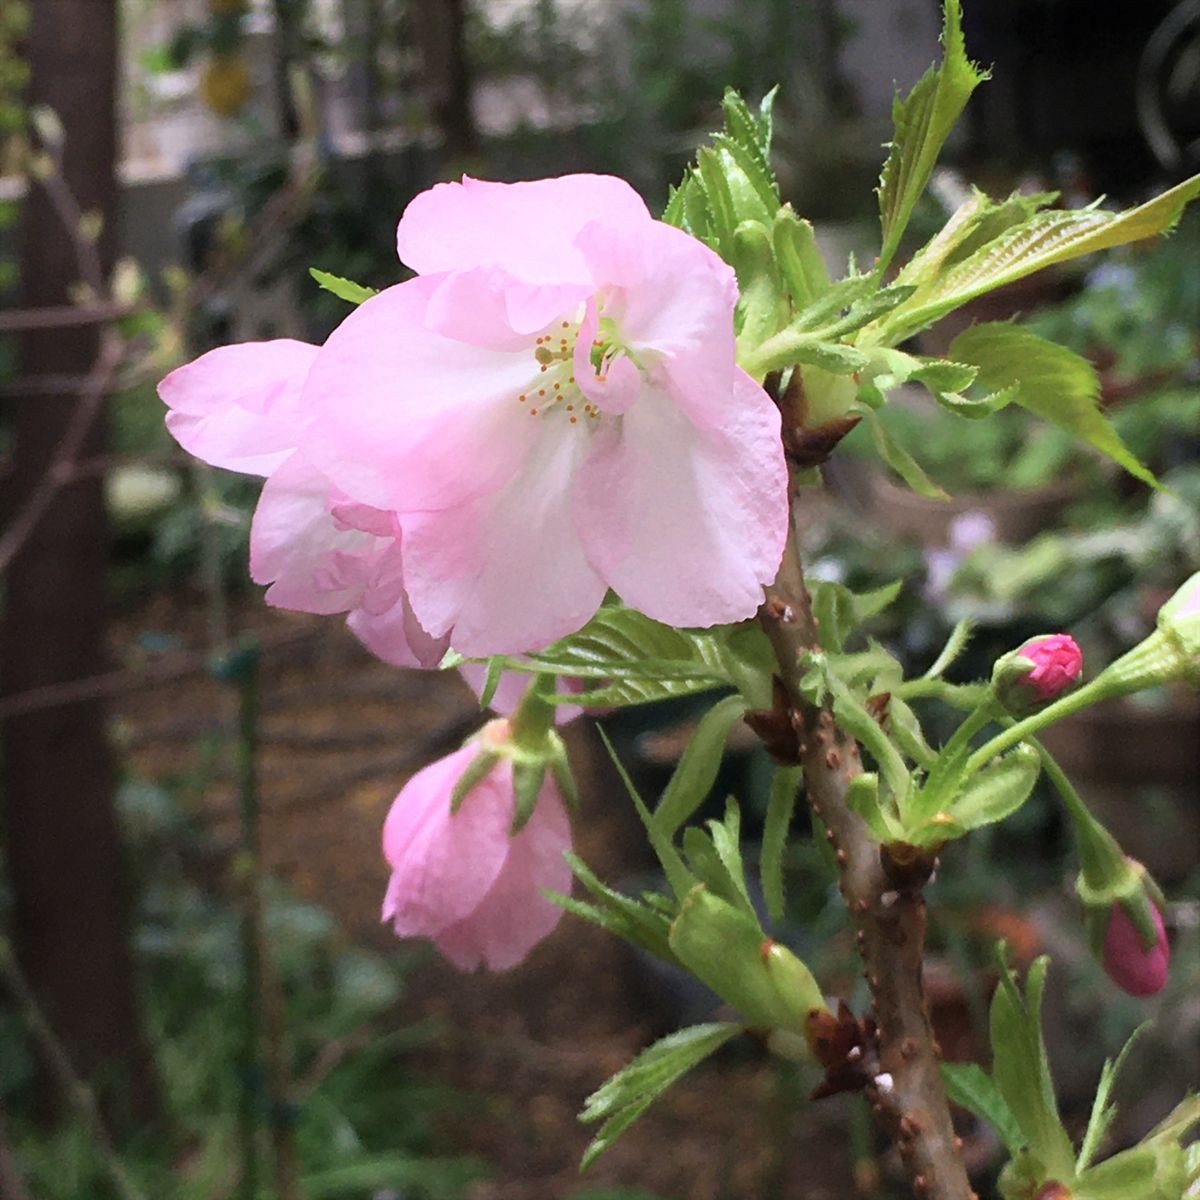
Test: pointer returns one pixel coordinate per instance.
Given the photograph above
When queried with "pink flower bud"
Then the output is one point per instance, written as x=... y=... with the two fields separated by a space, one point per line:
x=1132 y=967
x=460 y=879
x=1057 y=661
x=1038 y=672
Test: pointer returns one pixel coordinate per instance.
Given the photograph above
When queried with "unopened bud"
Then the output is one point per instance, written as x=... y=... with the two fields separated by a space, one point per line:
x=1037 y=673
x=1133 y=963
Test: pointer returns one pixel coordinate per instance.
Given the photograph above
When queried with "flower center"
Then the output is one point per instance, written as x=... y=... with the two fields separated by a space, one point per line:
x=554 y=389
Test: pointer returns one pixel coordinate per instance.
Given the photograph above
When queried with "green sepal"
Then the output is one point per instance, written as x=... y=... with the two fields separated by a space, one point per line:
x=528 y=777
x=477 y=769
x=1133 y=895
x=726 y=949
x=560 y=769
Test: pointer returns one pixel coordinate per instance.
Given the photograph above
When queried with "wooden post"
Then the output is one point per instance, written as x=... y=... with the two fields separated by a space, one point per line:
x=57 y=776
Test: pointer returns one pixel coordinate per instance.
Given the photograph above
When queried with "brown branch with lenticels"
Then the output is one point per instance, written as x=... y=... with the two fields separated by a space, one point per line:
x=895 y=1057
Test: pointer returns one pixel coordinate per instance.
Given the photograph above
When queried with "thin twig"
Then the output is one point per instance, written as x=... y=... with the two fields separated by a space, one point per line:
x=87 y=408
x=77 y=1093
x=166 y=668
x=906 y=1091
x=64 y=316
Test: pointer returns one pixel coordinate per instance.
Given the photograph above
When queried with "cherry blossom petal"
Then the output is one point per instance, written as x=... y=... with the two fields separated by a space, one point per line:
x=312 y=562
x=687 y=524
x=671 y=299
x=444 y=865
x=237 y=406
x=514 y=915
x=405 y=418
x=529 y=228
x=396 y=636
x=508 y=572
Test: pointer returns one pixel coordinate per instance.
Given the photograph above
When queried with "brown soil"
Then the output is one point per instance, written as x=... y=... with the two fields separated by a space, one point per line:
x=341 y=733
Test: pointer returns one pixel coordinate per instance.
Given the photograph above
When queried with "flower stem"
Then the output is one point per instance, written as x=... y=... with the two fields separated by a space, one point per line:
x=1100 y=858
x=906 y=1090
x=1073 y=702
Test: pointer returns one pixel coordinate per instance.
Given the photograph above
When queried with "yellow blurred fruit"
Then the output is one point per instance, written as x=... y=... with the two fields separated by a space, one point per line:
x=225 y=86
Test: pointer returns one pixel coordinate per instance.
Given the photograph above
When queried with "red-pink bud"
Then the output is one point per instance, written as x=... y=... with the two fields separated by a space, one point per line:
x=1132 y=967
x=1057 y=661
x=1037 y=672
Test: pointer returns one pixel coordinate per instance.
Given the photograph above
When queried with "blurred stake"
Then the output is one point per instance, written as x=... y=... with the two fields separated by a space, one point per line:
x=265 y=1083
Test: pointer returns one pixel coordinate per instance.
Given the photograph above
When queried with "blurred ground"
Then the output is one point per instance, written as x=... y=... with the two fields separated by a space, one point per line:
x=341 y=733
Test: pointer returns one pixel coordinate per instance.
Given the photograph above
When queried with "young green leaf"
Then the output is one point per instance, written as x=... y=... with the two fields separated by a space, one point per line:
x=697 y=769
x=343 y=289
x=1124 y=1176
x=638 y=921
x=854 y=717
x=780 y=806
x=620 y=645
x=1104 y=1111
x=908 y=734
x=971 y=1086
x=901 y=461
x=800 y=263
x=678 y=876
x=991 y=795
x=1049 y=380
x=1041 y=241
x=1022 y=1072
x=726 y=840
x=840 y=612
x=956 y=643
x=706 y=865
x=879 y=811
x=622 y=1099
x=922 y=122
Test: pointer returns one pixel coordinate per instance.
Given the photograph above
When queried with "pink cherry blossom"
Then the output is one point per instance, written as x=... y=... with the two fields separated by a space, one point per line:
x=320 y=552
x=237 y=406
x=460 y=879
x=554 y=409
x=1057 y=664
x=1132 y=967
